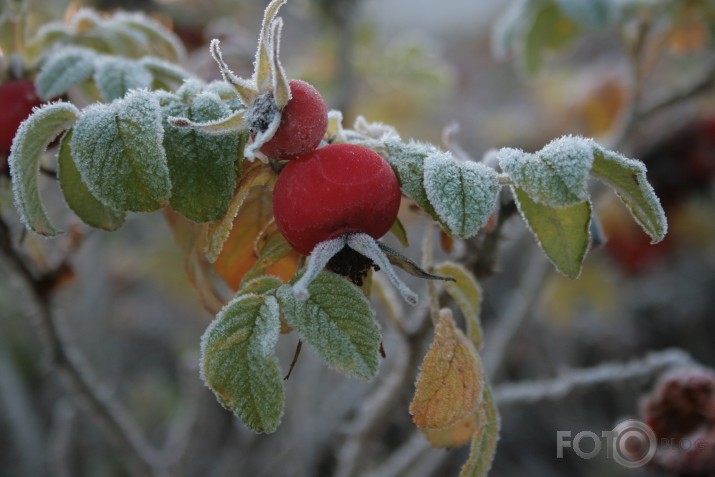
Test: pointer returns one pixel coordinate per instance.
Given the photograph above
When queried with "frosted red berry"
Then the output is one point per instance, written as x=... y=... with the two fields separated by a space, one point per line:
x=335 y=190
x=17 y=99
x=303 y=124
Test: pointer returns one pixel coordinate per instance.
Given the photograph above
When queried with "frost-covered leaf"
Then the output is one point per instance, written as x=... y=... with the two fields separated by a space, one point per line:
x=484 y=441
x=30 y=141
x=550 y=30
x=90 y=210
x=118 y=151
x=336 y=320
x=161 y=41
x=262 y=285
x=64 y=69
x=557 y=175
x=449 y=386
x=463 y=193
x=163 y=70
x=238 y=361
x=455 y=435
x=244 y=253
x=115 y=76
x=201 y=167
x=271 y=248
x=407 y=159
x=563 y=233
x=465 y=290
x=223 y=89
x=218 y=231
x=627 y=177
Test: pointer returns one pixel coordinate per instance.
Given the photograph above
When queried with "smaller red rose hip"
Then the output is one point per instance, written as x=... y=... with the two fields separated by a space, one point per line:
x=332 y=191
x=303 y=123
x=17 y=99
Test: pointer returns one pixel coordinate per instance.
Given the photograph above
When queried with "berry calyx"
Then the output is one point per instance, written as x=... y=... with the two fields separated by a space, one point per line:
x=18 y=99
x=332 y=191
x=303 y=123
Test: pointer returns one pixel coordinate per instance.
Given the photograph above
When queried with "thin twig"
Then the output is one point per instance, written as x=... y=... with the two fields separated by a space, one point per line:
x=74 y=371
x=533 y=392
x=509 y=323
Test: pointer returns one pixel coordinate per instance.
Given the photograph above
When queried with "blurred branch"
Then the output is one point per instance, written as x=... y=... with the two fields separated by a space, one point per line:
x=73 y=369
x=533 y=392
x=509 y=323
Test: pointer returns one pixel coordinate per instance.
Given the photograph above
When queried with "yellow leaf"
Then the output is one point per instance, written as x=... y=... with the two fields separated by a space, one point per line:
x=454 y=436
x=468 y=294
x=188 y=235
x=484 y=440
x=238 y=255
x=449 y=387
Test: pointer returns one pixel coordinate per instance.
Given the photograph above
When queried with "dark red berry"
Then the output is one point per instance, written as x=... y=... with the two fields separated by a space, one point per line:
x=17 y=99
x=303 y=123
x=334 y=190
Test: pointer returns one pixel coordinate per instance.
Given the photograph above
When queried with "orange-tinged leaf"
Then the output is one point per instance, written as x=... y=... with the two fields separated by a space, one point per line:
x=449 y=387
x=217 y=232
x=188 y=235
x=454 y=436
x=238 y=255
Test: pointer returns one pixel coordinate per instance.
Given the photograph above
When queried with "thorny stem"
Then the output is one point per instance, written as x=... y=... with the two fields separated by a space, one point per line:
x=76 y=375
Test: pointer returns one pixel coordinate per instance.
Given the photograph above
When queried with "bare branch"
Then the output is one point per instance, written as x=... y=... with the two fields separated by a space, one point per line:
x=533 y=392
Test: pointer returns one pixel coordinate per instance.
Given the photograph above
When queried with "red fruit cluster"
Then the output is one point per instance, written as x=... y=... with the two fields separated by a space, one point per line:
x=304 y=121
x=17 y=99
x=332 y=191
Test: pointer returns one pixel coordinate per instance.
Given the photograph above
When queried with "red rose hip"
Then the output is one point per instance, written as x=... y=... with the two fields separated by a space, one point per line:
x=332 y=191
x=17 y=99
x=304 y=121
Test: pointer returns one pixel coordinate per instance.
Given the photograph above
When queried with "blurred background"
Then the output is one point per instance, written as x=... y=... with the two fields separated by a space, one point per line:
x=420 y=66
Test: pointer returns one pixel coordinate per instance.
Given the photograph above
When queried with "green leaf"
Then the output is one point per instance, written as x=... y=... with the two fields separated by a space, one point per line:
x=275 y=248
x=161 y=41
x=484 y=441
x=263 y=285
x=118 y=151
x=163 y=70
x=465 y=290
x=201 y=166
x=115 y=76
x=551 y=30
x=557 y=175
x=31 y=140
x=336 y=320
x=627 y=177
x=398 y=230
x=90 y=210
x=407 y=159
x=563 y=233
x=64 y=69
x=463 y=193
x=238 y=361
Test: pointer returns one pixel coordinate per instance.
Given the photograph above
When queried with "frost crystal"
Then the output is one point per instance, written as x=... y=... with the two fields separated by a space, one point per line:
x=557 y=175
x=116 y=76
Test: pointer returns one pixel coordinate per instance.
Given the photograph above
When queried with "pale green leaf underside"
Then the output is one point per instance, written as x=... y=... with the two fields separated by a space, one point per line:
x=31 y=139
x=484 y=441
x=627 y=177
x=63 y=70
x=90 y=210
x=238 y=361
x=114 y=77
x=336 y=320
x=463 y=193
x=201 y=167
x=465 y=290
x=118 y=151
x=563 y=233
